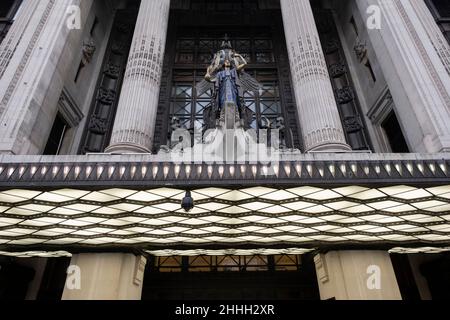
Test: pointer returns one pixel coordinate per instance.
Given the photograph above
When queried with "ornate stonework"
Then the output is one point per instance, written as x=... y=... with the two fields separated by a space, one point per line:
x=136 y=115
x=9 y=45
x=88 y=51
x=423 y=53
x=440 y=44
x=318 y=112
x=31 y=45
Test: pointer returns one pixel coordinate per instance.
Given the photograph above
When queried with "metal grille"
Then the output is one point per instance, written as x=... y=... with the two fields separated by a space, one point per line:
x=226 y=263
x=194 y=52
x=188 y=107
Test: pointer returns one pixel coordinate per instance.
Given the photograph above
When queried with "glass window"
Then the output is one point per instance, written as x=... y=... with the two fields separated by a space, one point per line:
x=227 y=263
x=189 y=108
x=195 y=51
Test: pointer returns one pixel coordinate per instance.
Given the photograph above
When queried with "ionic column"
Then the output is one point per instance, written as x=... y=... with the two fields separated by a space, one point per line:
x=356 y=275
x=10 y=42
x=105 y=276
x=319 y=116
x=136 y=114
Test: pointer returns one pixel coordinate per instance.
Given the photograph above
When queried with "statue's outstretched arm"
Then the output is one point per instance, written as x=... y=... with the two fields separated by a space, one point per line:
x=215 y=65
x=240 y=62
x=209 y=74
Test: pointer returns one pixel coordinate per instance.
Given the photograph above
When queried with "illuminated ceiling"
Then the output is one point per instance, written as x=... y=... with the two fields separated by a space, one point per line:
x=50 y=205
x=301 y=216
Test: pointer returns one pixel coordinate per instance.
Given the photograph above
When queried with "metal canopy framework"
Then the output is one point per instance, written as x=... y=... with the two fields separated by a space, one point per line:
x=69 y=205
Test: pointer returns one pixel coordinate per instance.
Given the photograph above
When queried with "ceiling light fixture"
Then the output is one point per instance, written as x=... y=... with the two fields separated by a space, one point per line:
x=188 y=202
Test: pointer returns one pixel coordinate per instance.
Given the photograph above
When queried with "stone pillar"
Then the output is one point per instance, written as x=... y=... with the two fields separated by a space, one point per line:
x=414 y=70
x=319 y=115
x=15 y=33
x=136 y=114
x=106 y=276
x=34 y=73
x=356 y=275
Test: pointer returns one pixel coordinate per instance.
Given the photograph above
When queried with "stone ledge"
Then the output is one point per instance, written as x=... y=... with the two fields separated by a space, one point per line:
x=152 y=171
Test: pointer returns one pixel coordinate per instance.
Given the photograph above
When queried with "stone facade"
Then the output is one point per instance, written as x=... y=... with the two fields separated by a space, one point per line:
x=49 y=69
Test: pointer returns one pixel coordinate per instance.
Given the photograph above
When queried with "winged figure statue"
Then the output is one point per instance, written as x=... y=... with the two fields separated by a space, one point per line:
x=228 y=81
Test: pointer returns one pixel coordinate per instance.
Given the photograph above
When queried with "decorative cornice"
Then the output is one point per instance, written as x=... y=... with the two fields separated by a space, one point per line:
x=144 y=171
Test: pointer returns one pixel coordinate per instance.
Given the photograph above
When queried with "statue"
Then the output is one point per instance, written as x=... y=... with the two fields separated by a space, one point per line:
x=286 y=134
x=175 y=125
x=228 y=81
x=226 y=136
x=89 y=49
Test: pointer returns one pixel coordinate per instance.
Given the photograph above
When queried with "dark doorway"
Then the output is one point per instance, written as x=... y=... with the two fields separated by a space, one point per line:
x=54 y=279
x=394 y=133
x=232 y=283
x=405 y=278
x=437 y=273
x=14 y=280
x=57 y=135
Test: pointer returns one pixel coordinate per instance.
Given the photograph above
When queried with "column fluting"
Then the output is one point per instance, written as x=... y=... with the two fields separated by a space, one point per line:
x=136 y=114
x=318 y=112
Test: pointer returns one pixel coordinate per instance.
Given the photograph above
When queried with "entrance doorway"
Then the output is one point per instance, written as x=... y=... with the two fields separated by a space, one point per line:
x=280 y=277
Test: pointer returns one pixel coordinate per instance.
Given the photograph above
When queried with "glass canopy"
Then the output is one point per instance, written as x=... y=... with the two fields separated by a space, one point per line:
x=50 y=205
x=305 y=217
